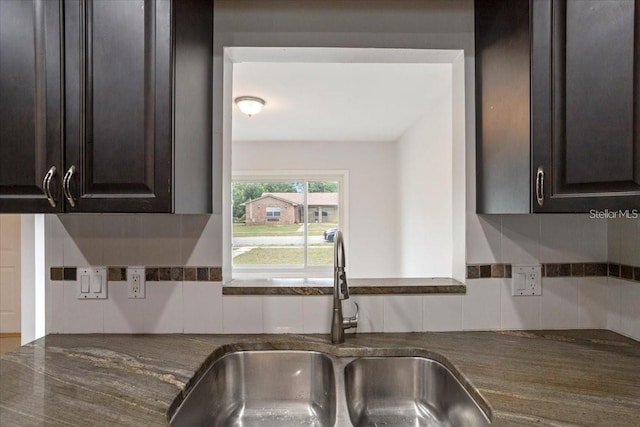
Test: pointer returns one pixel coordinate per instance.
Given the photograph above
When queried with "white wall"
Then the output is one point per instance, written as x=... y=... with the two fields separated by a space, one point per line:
x=33 y=292
x=373 y=188
x=425 y=191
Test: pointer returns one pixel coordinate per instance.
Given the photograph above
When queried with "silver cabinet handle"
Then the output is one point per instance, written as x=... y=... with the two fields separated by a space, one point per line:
x=46 y=185
x=540 y=186
x=66 y=185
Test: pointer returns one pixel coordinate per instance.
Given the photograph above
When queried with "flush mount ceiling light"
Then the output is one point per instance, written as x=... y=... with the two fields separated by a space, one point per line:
x=250 y=105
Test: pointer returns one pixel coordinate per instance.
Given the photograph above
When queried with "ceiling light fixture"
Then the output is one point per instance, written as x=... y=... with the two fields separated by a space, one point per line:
x=250 y=105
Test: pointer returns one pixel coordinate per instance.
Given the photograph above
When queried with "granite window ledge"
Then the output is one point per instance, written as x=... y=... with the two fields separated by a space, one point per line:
x=372 y=286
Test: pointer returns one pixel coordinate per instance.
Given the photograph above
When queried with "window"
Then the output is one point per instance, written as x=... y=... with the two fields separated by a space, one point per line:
x=280 y=226
x=273 y=211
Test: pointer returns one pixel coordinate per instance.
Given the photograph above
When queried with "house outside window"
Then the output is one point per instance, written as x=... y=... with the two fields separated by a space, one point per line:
x=279 y=227
x=273 y=211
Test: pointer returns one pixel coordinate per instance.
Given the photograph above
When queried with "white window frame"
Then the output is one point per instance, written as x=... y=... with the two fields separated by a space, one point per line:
x=273 y=210
x=267 y=272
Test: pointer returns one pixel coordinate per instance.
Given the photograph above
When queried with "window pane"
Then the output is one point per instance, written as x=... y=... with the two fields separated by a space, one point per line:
x=323 y=207
x=271 y=221
x=268 y=228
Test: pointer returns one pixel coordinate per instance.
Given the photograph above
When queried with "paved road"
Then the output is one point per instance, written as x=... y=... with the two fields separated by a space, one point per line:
x=274 y=240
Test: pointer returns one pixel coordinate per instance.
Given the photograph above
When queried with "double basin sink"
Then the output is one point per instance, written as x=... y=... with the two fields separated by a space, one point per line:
x=310 y=388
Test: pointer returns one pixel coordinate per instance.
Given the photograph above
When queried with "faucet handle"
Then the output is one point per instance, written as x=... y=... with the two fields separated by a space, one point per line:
x=351 y=322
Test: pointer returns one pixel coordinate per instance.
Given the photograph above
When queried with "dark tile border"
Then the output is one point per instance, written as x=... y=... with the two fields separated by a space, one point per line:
x=486 y=271
x=117 y=274
x=152 y=274
x=474 y=271
x=626 y=272
x=578 y=269
x=70 y=273
x=57 y=273
x=614 y=270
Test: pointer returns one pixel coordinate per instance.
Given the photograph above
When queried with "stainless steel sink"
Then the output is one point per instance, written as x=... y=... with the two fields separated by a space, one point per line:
x=263 y=388
x=291 y=388
x=407 y=391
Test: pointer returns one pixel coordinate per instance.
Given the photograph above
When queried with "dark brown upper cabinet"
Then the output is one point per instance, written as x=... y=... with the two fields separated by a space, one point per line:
x=30 y=106
x=136 y=107
x=557 y=105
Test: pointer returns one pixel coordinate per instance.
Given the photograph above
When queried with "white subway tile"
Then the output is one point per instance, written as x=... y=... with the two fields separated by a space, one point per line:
x=84 y=247
x=165 y=304
x=483 y=238
x=317 y=311
x=630 y=309
x=613 y=239
x=81 y=316
x=519 y=312
x=402 y=313
x=560 y=303
x=442 y=312
x=122 y=243
x=56 y=235
x=161 y=242
x=56 y=305
x=202 y=312
x=630 y=241
x=371 y=312
x=559 y=239
x=126 y=316
x=520 y=239
x=592 y=241
x=201 y=240
x=282 y=314
x=481 y=304
x=242 y=314
x=614 y=303
x=592 y=302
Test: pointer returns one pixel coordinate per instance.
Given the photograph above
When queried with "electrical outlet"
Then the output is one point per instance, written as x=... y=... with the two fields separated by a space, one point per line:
x=135 y=282
x=526 y=280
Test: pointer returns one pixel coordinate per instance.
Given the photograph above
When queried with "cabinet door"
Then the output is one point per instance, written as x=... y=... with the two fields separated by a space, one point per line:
x=118 y=105
x=585 y=113
x=30 y=105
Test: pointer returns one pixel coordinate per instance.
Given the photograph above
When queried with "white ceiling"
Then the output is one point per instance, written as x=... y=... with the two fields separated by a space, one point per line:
x=336 y=101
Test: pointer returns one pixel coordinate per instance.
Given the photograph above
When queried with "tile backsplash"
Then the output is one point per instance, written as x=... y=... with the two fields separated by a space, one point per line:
x=580 y=289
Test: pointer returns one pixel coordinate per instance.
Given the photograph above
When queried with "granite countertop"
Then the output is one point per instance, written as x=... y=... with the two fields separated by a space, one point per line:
x=553 y=378
x=324 y=286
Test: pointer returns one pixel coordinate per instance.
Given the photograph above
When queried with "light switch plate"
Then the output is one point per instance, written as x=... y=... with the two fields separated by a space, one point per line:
x=526 y=280
x=91 y=283
x=135 y=282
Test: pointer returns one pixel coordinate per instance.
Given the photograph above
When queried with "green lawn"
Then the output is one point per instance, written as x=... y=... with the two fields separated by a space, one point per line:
x=315 y=229
x=318 y=255
x=242 y=230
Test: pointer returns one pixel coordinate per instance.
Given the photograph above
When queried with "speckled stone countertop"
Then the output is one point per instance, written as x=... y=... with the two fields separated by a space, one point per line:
x=375 y=286
x=548 y=378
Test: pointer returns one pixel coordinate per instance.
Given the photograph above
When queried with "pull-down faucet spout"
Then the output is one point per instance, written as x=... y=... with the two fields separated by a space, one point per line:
x=340 y=292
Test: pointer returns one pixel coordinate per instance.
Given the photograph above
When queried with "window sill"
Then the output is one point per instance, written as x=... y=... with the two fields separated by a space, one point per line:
x=373 y=286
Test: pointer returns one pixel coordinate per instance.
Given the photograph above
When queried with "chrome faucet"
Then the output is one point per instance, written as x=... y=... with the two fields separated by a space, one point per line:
x=340 y=292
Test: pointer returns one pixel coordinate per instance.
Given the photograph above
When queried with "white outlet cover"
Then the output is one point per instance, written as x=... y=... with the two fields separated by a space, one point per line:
x=526 y=280
x=136 y=283
x=91 y=283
